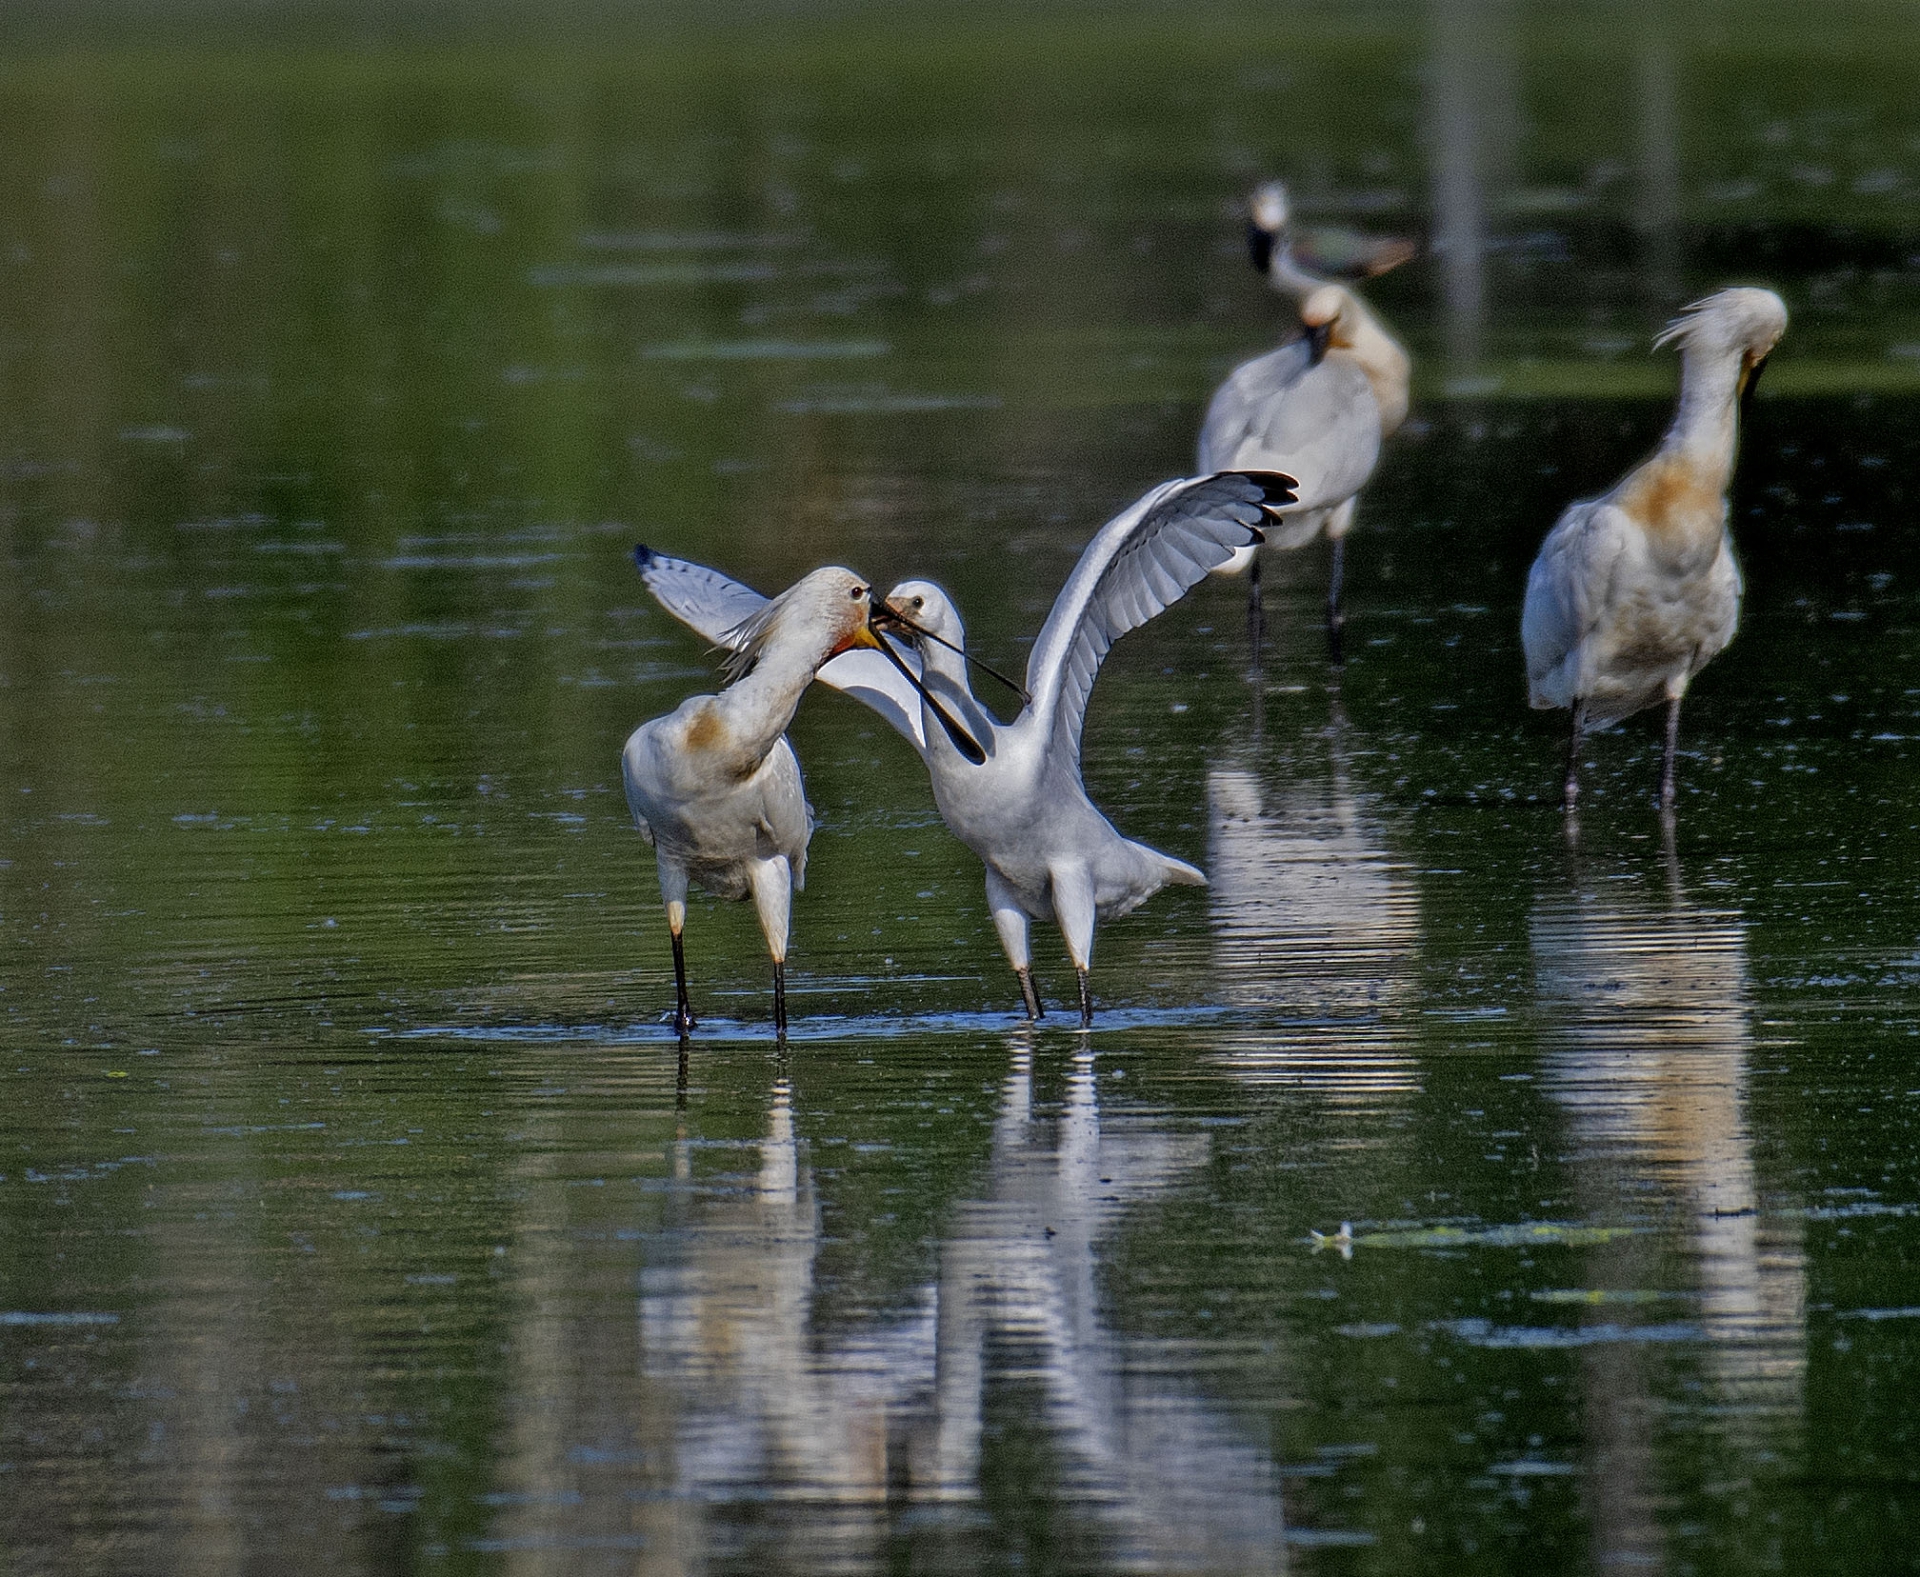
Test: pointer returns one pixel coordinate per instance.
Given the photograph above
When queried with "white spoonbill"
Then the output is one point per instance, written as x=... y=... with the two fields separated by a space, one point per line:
x=1319 y=406
x=1635 y=591
x=1049 y=853
x=714 y=785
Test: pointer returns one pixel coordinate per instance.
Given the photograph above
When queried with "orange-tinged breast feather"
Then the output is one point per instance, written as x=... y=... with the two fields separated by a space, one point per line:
x=706 y=731
x=1670 y=498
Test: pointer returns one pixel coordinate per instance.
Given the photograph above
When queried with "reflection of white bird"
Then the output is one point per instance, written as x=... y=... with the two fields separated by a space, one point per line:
x=1649 y=1045
x=762 y=1390
x=1635 y=591
x=1316 y=408
x=715 y=786
x=1317 y=926
x=1050 y=855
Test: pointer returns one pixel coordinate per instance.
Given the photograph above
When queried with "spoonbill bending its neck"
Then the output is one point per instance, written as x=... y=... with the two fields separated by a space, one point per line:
x=714 y=785
x=1319 y=406
x=1050 y=855
x=1635 y=591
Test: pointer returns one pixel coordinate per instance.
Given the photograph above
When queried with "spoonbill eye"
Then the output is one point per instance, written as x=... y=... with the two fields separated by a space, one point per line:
x=919 y=602
x=857 y=593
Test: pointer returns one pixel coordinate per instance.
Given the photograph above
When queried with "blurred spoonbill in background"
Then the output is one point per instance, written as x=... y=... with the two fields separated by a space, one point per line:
x=715 y=786
x=1635 y=591
x=1049 y=853
x=1319 y=406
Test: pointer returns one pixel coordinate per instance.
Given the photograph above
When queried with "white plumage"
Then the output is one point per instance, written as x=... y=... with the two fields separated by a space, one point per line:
x=715 y=786
x=1632 y=593
x=1049 y=853
x=1318 y=407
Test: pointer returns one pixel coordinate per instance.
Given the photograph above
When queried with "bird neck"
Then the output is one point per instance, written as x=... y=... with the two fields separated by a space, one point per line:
x=1705 y=427
x=759 y=707
x=1286 y=275
x=1378 y=354
x=944 y=672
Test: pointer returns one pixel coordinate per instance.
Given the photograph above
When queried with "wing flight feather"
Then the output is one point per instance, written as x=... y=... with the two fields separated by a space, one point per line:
x=1141 y=562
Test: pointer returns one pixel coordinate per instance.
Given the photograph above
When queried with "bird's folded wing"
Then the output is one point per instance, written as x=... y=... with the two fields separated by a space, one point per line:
x=1319 y=423
x=714 y=606
x=1141 y=562
x=1571 y=583
x=1239 y=406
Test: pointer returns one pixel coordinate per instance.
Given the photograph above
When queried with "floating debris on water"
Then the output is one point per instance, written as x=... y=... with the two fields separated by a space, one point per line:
x=1524 y=1234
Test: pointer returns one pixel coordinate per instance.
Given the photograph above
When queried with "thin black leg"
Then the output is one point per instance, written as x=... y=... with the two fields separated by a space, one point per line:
x=1028 y=995
x=780 y=998
x=1666 y=759
x=1256 y=611
x=683 y=1009
x=1571 y=794
x=1336 y=619
x=1086 y=1000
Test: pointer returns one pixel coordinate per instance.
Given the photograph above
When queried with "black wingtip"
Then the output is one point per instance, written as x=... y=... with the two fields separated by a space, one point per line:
x=1259 y=247
x=642 y=556
x=1276 y=487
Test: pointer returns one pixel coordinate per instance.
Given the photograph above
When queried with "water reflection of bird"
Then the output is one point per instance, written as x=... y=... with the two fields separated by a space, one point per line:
x=1313 y=916
x=1648 y=1054
x=715 y=786
x=1049 y=853
x=1319 y=406
x=860 y=1421
x=1635 y=591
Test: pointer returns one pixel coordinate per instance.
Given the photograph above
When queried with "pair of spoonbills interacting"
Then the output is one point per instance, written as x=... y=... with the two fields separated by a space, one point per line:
x=716 y=787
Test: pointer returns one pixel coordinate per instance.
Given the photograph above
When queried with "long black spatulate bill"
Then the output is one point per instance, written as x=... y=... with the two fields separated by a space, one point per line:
x=963 y=742
x=890 y=616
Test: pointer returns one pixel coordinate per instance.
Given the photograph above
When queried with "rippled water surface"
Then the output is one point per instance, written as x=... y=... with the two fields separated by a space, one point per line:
x=1436 y=1192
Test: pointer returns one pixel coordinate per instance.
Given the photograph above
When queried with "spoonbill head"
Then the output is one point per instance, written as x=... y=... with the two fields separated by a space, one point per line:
x=923 y=608
x=1337 y=320
x=1294 y=257
x=1738 y=326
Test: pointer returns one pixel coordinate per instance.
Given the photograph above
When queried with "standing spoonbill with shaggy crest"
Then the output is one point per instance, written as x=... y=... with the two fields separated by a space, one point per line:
x=1635 y=591
x=1318 y=407
x=714 y=785
x=1049 y=853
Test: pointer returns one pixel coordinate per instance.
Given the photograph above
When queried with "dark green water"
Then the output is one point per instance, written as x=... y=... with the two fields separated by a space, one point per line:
x=356 y=1211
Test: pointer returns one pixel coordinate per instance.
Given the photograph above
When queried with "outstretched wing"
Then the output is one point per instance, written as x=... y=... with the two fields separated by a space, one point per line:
x=714 y=606
x=1142 y=561
x=702 y=599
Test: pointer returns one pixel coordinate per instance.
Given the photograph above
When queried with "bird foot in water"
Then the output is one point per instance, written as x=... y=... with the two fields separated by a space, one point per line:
x=1028 y=995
